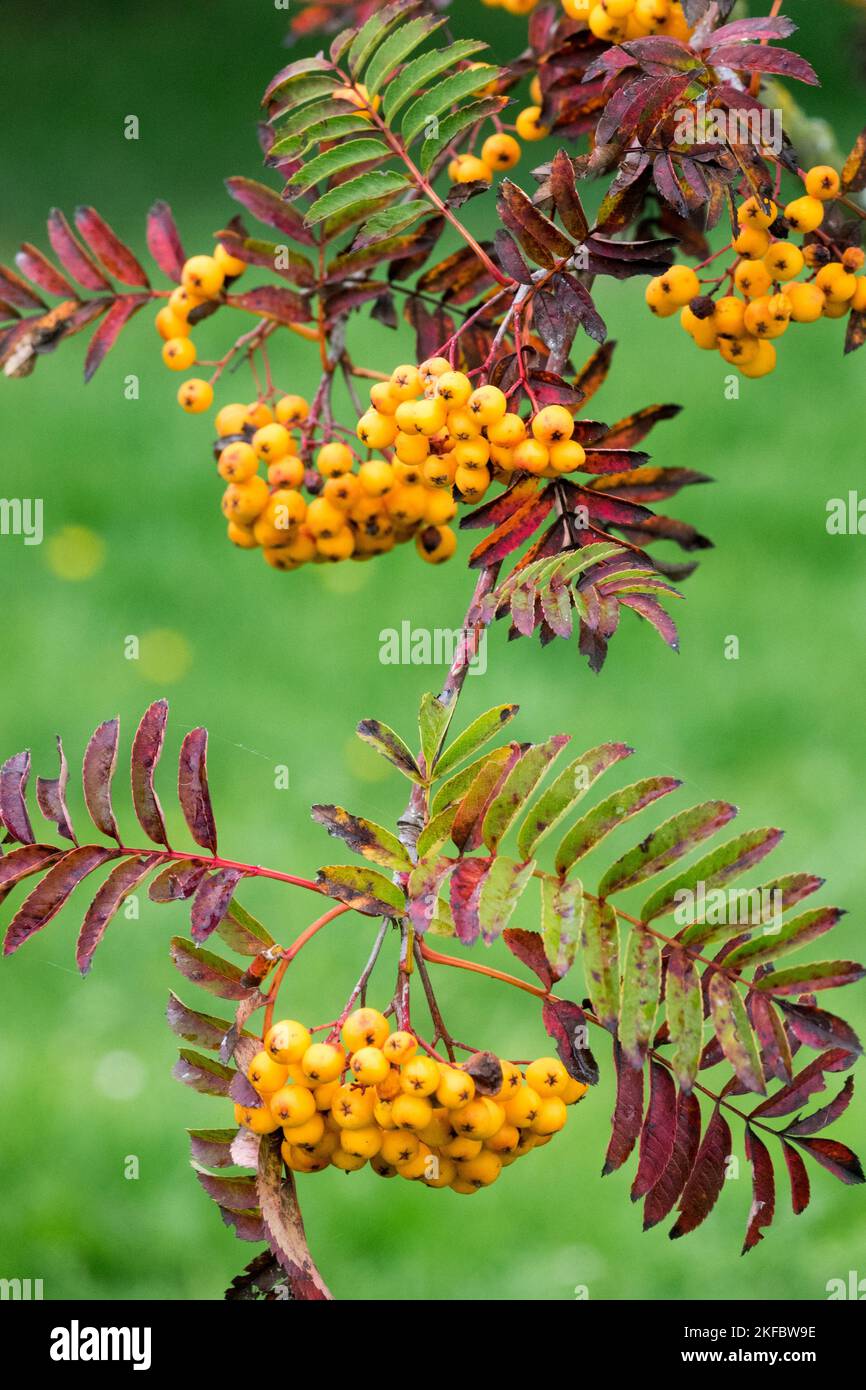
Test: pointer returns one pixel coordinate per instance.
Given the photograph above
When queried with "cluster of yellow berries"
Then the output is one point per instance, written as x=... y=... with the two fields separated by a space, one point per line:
x=379 y=1098
x=615 y=21
x=742 y=326
x=202 y=280
x=455 y=439
x=499 y=152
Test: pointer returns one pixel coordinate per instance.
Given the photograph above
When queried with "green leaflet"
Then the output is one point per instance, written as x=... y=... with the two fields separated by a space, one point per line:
x=376 y=29
x=475 y=736
x=720 y=866
x=668 y=843
x=502 y=887
x=794 y=934
x=243 y=932
x=792 y=888
x=335 y=128
x=396 y=49
x=389 y=222
x=734 y=1032
x=685 y=1015
x=454 y=125
x=355 y=193
x=343 y=156
x=640 y=995
x=562 y=908
x=303 y=118
x=301 y=88
x=436 y=831
x=363 y=889
x=824 y=974
x=421 y=71
x=607 y=815
x=519 y=786
x=600 y=947
x=433 y=721
x=565 y=792
x=391 y=746
x=364 y=836
x=439 y=98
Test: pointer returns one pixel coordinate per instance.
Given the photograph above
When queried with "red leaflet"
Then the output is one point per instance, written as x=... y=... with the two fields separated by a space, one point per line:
x=13 y=806
x=81 y=266
x=566 y=1023
x=212 y=901
x=687 y=1138
x=100 y=758
x=14 y=290
x=566 y=197
x=146 y=750
x=805 y=1084
x=122 y=881
x=465 y=888
x=816 y=1028
x=513 y=532
x=658 y=1132
x=163 y=241
x=208 y=971
x=192 y=789
x=109 y=250
x=826 y=1115
x=269 y=207
x=800 y=1190
x=528 y=947
x=51 y=796
x=47 y=898
x=776 y=60
x=177 y=881
x=706 y=1178
x=202 y=1029
x=39 y=269
x=21 y=863
x=771 y=1036
x=274 y=302
x=110 y=329
x=763 y=1190
x=837 y=1158
x=628 y=1111
x=284 y=1229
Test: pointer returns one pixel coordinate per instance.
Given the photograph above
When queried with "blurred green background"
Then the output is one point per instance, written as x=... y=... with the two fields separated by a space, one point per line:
x=281 y=668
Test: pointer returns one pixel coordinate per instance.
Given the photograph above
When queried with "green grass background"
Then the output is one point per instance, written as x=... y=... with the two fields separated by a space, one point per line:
x=283 y=666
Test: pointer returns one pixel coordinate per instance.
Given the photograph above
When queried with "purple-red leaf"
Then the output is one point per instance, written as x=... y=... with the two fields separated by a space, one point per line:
x=566 y=197
x=211 y=972
x=13 y=806
x=706 y=1179
x=800 y=1189
x=816 y=1028
x=177 y=881
x=110 y=329
x=72 y=256
x=837 y=1158
x=212 y=901
x=48 y=897
x=465 y=888
x=627 y=1114
x=660 y=1200
x=202 y=1029
x=566 y=1023
x=23 y=862
x=273 y=302
x=123 y=880
x=763 y=1190
x=51 y=796
x=658 y=1132
x=146 y=749
x=193 y=791
x=805 y=1084
x=163 y=241
x=109 y=250
x=284 y=1228
x=268 y=207
x=820 y=1119
x=100 y=758
x=528 y=947
x=37 y=267
x=775 y=60
x=14 y=290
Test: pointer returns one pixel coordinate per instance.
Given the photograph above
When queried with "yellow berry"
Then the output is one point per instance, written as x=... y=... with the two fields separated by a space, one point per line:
x=353 y=1106
x=256 y=1118
x=203 y=275
x=272 y=442
x=756 y=213
x=170 y=325
x=784 y=261
x=265 y=1074
x=547 y=1076
x=413 y=1112
x=805 y=214
x=806 y=301
x=195 y=396
x=237 y=462
x=293 y=1105
x=292 y=410
x=529 y=124
x=553 y=425
x=500 y=151
x=823 y=182
x=231 y=266
x=323 y=1062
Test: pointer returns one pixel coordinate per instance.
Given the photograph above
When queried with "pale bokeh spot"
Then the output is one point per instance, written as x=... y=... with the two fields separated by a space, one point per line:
x=344 y=579
x=119 y=1076
x=75 y=553
x=164 y=655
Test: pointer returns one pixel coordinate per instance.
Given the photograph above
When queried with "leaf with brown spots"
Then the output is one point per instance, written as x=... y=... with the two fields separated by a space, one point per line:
x=192 y=789
x=146 y=750
x=364 y=837
x=284 y=1229
x=100 y=758
x=566 y=1023
x=14 y=775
